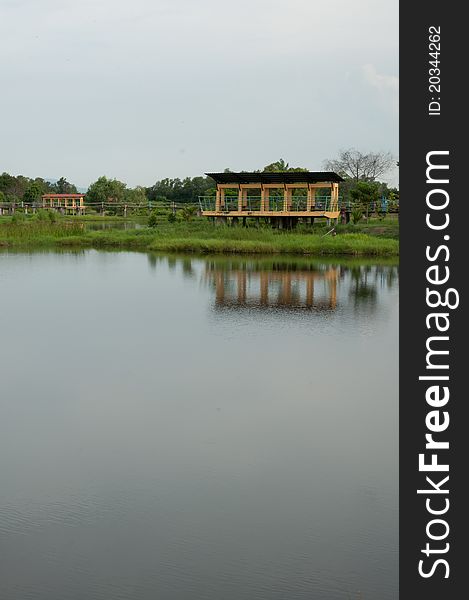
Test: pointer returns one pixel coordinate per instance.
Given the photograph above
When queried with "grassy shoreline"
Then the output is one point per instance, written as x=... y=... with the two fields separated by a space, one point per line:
x=199 y=237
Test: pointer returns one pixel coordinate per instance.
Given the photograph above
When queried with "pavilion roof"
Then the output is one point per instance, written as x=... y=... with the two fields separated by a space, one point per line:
x=279 y=177
x=63 y=195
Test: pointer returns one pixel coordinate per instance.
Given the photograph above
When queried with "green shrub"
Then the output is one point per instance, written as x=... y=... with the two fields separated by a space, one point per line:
x=172 y=217
x=18 y=217
x=153 y=219
x=189 y=212
x=357 y=215
x=42 y=215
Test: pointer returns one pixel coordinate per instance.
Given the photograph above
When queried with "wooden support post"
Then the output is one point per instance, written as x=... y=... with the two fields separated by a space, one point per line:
x=335 y=197
x=286 y=199
x=217 y=200
x=311 y=199
x=264 y=199
x=242 y=198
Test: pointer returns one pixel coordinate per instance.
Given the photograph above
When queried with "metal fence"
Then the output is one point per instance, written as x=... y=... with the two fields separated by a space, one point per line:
x=207 y=203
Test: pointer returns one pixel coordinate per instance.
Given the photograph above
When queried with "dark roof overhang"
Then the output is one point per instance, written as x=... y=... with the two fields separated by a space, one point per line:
x=280 y=177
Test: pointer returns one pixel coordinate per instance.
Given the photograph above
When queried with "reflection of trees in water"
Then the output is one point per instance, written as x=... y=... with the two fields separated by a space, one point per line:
x=153 y=260
x=187 y=268
x=366 y=281
x=186 y=262
x=172 y=262
x=362 y=291
x=160 y=259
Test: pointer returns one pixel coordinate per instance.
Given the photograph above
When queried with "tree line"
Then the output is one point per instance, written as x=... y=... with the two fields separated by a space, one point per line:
x=18 y=188
x=361 y=172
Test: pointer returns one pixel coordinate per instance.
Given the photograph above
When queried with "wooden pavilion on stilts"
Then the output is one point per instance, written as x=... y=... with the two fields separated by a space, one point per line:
x=282 y=198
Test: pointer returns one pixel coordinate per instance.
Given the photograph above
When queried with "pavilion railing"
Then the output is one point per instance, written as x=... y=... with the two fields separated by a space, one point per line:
x=276 y=204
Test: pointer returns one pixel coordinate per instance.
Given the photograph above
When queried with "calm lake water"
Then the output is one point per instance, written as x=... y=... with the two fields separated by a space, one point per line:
x=197 y=429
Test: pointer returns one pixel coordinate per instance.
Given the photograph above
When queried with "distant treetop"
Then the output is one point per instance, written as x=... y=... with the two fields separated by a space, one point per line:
x=359 y=166
x=281 y=166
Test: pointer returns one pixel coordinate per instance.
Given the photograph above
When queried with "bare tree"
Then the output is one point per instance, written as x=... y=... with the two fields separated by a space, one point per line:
x=359 y=166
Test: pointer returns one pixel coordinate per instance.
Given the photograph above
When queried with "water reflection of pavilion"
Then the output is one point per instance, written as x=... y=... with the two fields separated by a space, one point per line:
x=285 y=283
x=274 y=288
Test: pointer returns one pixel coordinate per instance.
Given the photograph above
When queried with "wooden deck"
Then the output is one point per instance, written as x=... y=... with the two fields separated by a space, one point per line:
x=270 y=213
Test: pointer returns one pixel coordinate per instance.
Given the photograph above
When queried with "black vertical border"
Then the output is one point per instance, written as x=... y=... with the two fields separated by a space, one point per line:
x=419 y=134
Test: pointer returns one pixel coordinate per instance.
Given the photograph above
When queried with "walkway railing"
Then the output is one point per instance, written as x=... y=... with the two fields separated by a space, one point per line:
x=207 y=203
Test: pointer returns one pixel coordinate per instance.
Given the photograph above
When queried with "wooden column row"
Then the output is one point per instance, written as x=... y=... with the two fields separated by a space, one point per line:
x=287 y=195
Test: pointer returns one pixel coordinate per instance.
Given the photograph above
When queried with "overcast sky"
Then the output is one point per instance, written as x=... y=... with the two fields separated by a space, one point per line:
x=145 y=89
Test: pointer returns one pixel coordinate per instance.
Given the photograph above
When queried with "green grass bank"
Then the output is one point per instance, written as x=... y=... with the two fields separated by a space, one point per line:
x=201 y=237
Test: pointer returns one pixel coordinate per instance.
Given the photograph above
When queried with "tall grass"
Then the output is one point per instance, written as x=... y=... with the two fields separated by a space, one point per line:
x=348 y=244
x=197 y=236
x=37 y=231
